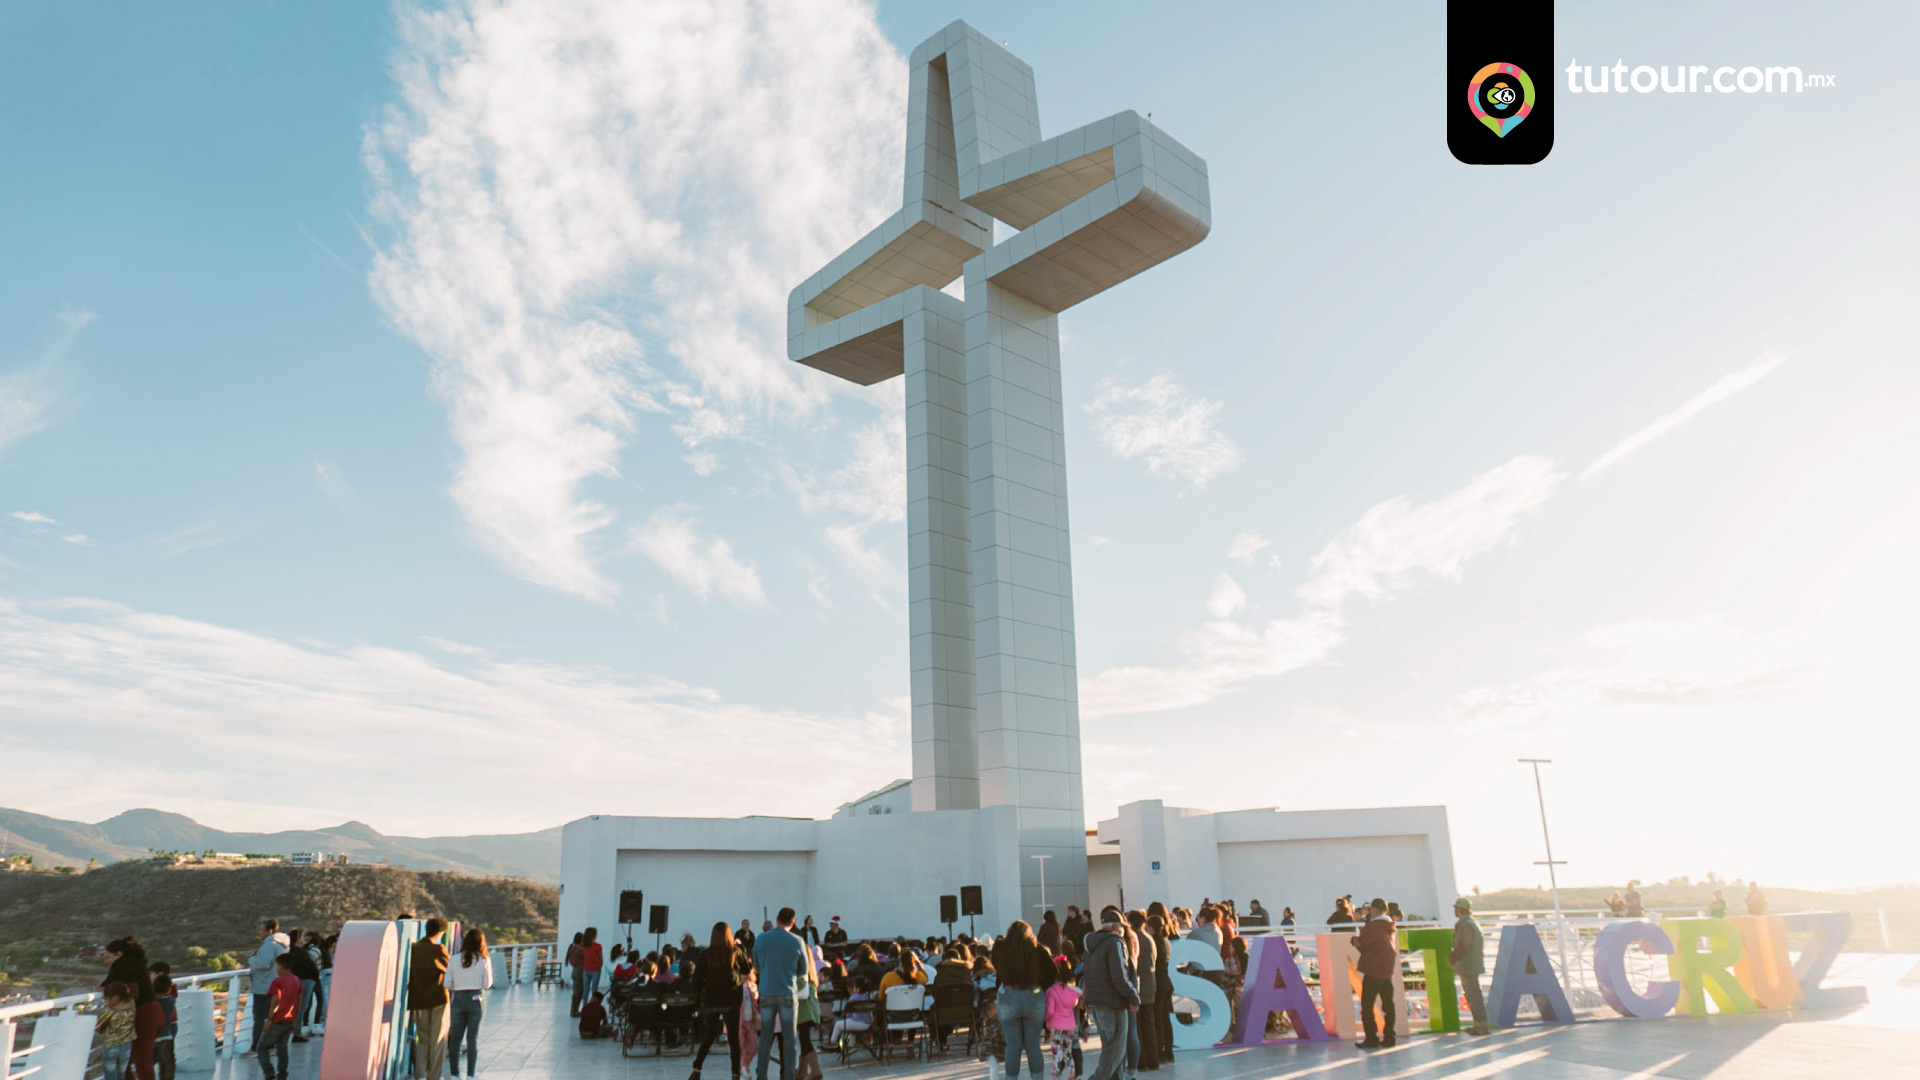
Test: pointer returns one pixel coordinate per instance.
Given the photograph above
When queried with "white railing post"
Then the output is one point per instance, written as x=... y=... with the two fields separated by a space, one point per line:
x=236 y=1004
x=6 y=1049
x=194 y=1046
x=61 y=1044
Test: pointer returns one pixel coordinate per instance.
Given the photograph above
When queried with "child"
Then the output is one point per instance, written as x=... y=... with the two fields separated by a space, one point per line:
x=283 y=1011
x=113 y=1031
x=749 y=1014
x=169 y=1000
x=593 y=1018
x=985 y=984
x=856 y=1013
x=1063 y=1028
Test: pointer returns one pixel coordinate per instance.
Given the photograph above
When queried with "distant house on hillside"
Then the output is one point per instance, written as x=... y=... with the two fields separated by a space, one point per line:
x=318 y=858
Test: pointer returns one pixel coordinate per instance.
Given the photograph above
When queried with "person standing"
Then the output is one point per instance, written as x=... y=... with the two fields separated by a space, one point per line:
x=780 y=961
x=1208 y=927
x=282 y=1012
x=301 y=963
x=1049 y=932
x=716 y=984
x=1161 y=1022
x=261 y=973
x=592 y=958
x=809 y=933
x=427 y=1001
x=1143 y=1045
x=1024 y=972
x=576 y=954
x=1469 y=959
x=744 y=936
x=468 y=981
x=1756 y=900
x=169 y=999
x=1632 y=899
x=1106 y=987
x=1717 y=908
x=113 y=1030
x=1379 y=966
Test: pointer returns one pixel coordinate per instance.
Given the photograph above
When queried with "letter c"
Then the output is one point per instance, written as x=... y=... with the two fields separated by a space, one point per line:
x=1610 y=970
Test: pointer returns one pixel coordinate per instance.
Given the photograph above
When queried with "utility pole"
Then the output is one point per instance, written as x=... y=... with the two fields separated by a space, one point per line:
x=1553 y=879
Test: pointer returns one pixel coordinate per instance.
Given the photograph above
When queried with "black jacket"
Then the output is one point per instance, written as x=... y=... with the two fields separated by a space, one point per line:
x=1107 y=982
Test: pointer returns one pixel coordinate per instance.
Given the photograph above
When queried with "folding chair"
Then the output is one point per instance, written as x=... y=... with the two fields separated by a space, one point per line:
x=905 y=1012
x=953 y=1009
x=679 y=1018
x=641 y=1020
x=851 y=1041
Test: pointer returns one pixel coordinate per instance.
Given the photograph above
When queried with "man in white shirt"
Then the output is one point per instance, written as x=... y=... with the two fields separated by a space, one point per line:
x=261 y=973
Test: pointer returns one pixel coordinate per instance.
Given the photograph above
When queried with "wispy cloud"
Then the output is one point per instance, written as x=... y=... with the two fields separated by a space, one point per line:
x=336 y=486
x=1393 y=546
x=193 y=538
x=867 y=491
x=702 y=564
x=33 y=517
x=1713 y=395
x=703 y=462
x=78 y=539
x=1246 y=548
x=27 y=396
x=565 y=178
x=1175 y=433
x=189 y=699
x=1397 y=542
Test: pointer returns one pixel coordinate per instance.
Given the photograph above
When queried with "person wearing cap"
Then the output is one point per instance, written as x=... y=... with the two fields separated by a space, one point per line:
x=1110 y=993
x=1469 y=959
x=835 y=939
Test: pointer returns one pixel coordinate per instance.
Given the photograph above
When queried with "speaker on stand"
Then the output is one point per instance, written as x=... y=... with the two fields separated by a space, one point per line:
x=970 y=905
x=949 y=913
x=633 y=909
x=657 y=923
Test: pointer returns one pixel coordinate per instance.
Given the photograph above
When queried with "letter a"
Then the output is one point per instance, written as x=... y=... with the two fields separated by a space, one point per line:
x=1274 y=985
x=1523 y=969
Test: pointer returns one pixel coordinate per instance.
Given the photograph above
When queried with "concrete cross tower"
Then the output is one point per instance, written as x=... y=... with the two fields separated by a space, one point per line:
x=996 y=718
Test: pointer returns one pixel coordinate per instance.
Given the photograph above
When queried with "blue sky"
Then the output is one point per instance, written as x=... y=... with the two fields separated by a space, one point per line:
x=394 y=384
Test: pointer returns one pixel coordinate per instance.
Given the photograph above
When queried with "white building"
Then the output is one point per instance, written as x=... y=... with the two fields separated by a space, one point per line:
x=995 y=798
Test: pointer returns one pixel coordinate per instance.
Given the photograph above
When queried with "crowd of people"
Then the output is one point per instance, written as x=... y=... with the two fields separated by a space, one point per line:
x=1037 y=991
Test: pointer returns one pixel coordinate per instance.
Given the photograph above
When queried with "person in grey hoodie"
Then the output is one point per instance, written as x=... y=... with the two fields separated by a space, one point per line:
x=261 y=973
x=1110 y=993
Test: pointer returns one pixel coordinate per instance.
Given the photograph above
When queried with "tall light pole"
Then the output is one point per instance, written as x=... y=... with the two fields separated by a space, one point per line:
x=1553 y=879
x=1042 y=859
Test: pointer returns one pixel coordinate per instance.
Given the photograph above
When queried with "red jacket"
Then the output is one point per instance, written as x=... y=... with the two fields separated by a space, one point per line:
x=1379 y=949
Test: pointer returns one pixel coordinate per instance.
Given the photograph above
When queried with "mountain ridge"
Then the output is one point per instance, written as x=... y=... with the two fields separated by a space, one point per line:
x=134 y=833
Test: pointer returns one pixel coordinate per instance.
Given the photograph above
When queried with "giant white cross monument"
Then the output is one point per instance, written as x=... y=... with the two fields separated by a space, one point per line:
x=996 y=717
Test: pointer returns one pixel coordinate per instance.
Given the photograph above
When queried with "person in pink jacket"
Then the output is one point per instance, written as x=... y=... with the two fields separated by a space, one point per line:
x=1063 y=1024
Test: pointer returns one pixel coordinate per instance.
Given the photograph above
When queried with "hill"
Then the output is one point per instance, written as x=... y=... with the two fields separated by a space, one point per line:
x=135 y=834
x=191 y=915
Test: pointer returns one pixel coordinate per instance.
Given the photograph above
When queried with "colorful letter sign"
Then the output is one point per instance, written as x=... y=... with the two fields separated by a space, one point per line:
x=1215 y=1010
x=1443 y=1001
x=1523 y=969
x=1274 y=985
x=1610 y=970
x=1706 y=971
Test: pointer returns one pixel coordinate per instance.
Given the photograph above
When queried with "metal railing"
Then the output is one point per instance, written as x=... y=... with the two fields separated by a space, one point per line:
x=53 y=1039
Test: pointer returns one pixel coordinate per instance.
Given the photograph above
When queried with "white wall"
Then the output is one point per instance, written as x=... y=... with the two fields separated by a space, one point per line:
x=883 y=874
x=1103 y=879
x=1307 y=874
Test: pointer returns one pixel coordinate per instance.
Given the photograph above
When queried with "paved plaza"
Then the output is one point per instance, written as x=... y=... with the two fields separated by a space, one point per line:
x=528 y=1036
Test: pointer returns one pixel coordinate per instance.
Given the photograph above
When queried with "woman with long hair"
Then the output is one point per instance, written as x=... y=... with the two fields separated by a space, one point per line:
x=468 y=979
x=1025 y=972
x=908 y=970
x=806 y=1018
x=1159 y=928
x=716 y=984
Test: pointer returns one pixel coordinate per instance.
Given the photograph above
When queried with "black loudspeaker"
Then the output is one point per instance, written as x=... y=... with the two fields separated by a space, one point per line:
x=632 y=907
x=970 y=900
x=657 y=919
x=949 y=909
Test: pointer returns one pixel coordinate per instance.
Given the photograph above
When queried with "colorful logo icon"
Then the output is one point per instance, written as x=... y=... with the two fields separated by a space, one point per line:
x=1500 y=95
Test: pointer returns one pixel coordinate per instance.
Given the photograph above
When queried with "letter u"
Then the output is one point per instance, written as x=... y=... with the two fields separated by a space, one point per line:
x=1592 y=89
x=1676 y=88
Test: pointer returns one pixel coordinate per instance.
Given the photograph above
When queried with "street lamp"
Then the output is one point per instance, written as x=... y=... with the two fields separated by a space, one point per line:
x=1553 y=879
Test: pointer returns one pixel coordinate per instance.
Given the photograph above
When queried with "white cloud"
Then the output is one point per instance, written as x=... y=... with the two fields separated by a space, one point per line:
x=869 y=490
x=1393 y=546
x=703 y=564
x=1679 y=663
x=703 y=462
x=79 y=539
x=1160 y=422
x=565 y=178
x=188 y=702
x=1713 y=395
x=1247 y=547
x=27 y=396
x=33 y=517
x=1397 y=542
x=1228 y=598
x=336 y=486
